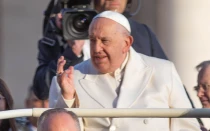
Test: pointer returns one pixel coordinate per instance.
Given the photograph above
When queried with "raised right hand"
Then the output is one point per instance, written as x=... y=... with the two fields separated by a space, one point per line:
x=65 y=79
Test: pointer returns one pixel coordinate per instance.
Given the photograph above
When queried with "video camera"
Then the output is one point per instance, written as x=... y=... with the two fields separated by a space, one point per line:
x=77 y=16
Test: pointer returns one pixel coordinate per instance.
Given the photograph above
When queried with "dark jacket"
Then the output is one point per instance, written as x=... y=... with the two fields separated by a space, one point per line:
x=145 y=41
x=51 y=47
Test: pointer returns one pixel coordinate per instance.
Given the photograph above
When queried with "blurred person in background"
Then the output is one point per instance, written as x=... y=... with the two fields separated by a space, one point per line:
x=32 y=101
x=58 y=119
x=6 y=103
x=52 y=45
x=203 y=84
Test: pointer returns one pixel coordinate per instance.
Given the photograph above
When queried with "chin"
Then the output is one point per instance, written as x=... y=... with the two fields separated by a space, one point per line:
x=206 y=106
x=102 y=70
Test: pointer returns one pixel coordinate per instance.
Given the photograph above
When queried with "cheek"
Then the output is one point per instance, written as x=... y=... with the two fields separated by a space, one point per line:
x=123 y=6
x=208 y=94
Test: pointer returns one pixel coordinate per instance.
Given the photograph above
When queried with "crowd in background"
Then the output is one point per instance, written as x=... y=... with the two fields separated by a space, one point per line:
x=53 y=45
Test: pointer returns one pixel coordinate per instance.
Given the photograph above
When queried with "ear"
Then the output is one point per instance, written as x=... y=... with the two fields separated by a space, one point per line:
x=128 y=43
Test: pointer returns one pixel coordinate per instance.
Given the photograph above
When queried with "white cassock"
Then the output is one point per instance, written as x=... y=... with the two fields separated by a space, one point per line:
x=146 y=82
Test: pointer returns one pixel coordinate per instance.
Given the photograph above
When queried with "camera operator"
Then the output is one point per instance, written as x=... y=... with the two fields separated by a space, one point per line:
x=52 y=46
x=145 y=42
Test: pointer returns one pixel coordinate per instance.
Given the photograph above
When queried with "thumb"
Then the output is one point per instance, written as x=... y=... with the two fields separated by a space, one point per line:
x=70 y=72
x=71 y=69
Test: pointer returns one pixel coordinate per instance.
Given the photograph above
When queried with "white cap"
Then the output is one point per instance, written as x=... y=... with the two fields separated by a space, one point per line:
x=115 y=16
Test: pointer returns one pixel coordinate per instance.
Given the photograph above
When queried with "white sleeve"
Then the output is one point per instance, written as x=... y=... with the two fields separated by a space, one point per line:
x=54 y=92
x=178 y=99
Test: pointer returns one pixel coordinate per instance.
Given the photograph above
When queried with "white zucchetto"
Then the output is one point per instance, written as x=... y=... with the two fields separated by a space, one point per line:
x=115 y=16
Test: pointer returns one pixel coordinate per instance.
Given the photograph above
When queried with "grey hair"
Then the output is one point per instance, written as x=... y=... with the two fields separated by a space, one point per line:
x=50 y=112
x=202 y=67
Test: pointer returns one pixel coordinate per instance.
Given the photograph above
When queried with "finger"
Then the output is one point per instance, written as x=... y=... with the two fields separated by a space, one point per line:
x=70 y=72
x=63 y=76
x=60 y=59
x=71 y=69
x=60 y=65
x=70 y=75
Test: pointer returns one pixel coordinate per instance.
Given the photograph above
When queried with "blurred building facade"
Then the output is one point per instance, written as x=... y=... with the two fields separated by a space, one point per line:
x=182 y=27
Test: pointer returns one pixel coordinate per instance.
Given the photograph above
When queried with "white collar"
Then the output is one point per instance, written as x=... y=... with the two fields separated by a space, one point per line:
x=119 y=71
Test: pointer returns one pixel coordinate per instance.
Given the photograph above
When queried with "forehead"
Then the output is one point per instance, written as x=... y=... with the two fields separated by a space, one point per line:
x=103 y=1
x=102 y=26
x=204 y=76
x=60 y=119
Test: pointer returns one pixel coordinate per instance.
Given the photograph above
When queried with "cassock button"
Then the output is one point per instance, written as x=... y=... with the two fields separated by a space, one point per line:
x=146 y=121
x=112 y=128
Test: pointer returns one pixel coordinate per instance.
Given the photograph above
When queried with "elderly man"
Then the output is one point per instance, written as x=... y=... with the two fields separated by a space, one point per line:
x=116 y=76
x=51 y=48
x=203 y=87
x=58 y=120
x=145 y=40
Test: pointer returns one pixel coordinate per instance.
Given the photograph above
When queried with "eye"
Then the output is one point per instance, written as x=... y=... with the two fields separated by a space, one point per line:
x=196 y=88
x=105 y=41
x=92 y=40
x=206 y=86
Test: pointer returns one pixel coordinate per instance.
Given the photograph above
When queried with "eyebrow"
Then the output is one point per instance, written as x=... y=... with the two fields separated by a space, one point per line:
x=91 y=36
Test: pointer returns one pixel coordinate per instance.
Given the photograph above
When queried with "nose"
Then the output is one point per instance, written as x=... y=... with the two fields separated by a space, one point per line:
x=200 y=93
x=97 y=47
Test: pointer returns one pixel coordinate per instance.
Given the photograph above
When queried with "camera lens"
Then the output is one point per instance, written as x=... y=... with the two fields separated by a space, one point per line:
x=80 y=23
x=75 y=23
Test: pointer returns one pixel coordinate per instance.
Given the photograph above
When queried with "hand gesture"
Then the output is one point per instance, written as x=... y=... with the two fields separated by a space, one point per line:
x=65 y=79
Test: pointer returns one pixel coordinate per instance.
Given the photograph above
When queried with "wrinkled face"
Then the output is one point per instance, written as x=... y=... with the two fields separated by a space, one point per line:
x=114 y=5
x=203 y=88
x=2 y=104
x=60 y=122
x=109 y=45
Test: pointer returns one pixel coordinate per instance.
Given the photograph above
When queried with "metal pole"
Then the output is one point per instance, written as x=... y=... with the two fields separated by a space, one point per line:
x=123 y=113
x=15 y=113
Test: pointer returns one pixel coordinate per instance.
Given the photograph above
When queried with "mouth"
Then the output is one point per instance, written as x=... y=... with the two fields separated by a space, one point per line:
x=99 y=59
x=204 y=101
x=114 y=4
